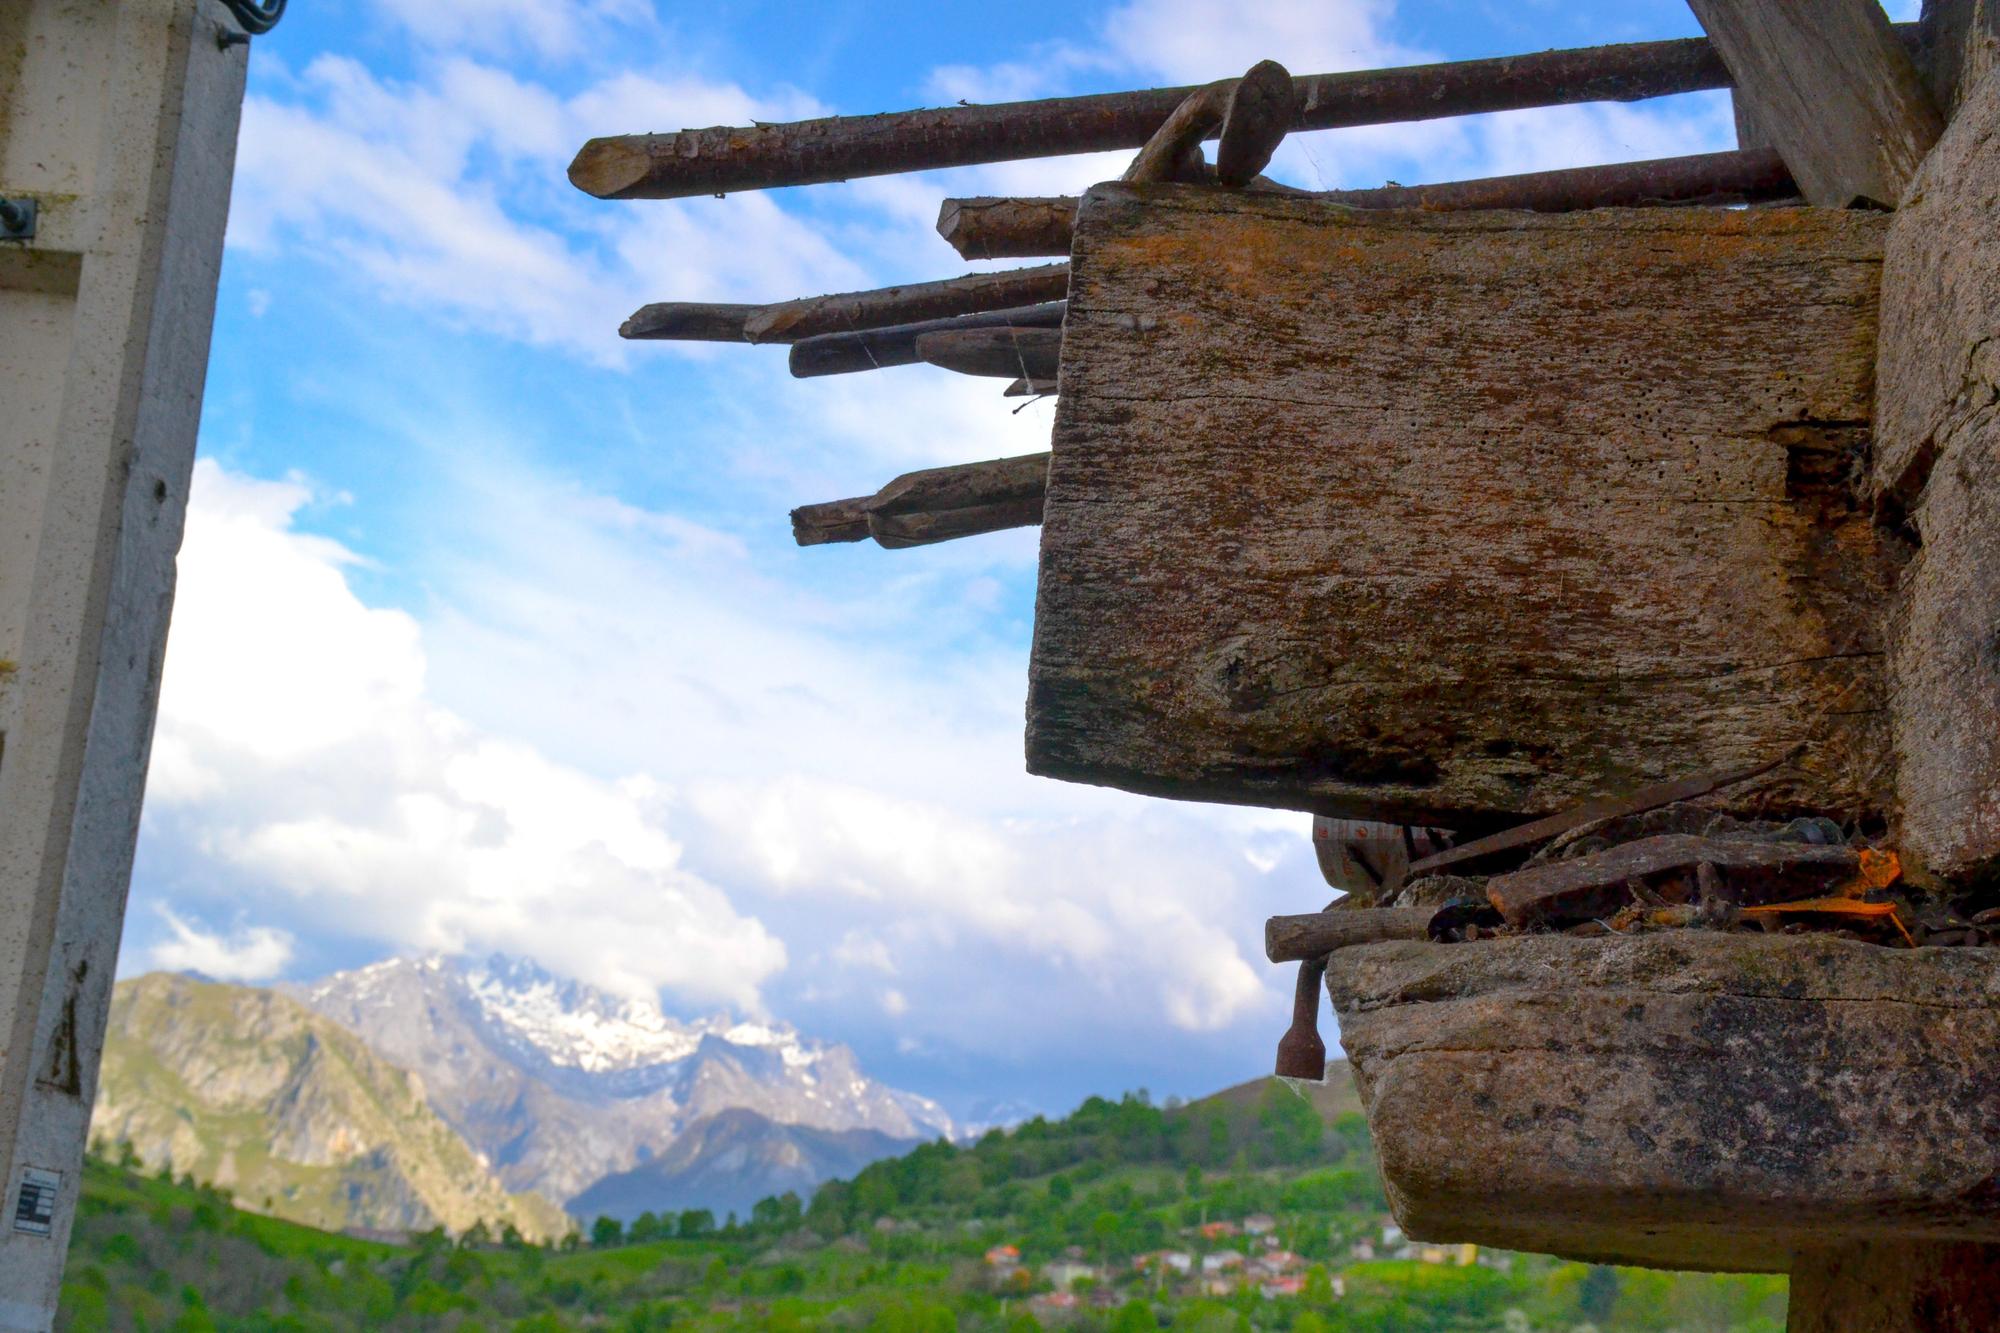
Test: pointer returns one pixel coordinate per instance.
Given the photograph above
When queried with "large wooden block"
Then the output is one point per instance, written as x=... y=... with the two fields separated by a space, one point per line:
x=1444 y=518
x=1938 y=462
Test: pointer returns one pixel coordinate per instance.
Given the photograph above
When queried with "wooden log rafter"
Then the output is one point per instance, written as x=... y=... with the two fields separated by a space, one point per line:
x=724 y=158
x=896 y=345
x=1031 y=354
x=934 y=505
x=849 y=312
x=1294 y=939
x=1011 y=228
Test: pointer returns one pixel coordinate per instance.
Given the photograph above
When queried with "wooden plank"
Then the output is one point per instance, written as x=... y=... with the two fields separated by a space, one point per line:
x=1937 y=467
x=1834 y=89
x=1448 y=518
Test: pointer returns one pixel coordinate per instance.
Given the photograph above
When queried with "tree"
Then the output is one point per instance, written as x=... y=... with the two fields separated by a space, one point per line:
x=647 y=1226
x=695 y=1223
x=606 y=1232
x=1597 y=1294
x=1134 y=1317
x=476 y=1235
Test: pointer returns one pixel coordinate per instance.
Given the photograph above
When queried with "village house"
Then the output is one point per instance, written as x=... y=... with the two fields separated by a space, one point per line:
x=1221 y=1261
x=1065 y=1273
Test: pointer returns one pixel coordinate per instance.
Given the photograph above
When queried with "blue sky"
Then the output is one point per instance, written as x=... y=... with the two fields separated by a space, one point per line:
x=491 y=634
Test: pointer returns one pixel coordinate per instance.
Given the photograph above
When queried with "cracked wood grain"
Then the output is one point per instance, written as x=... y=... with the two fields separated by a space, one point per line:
x=1455 y=519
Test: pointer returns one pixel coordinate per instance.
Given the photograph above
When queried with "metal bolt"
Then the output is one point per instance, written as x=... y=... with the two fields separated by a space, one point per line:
x=17 y=219
x=1301 y=1053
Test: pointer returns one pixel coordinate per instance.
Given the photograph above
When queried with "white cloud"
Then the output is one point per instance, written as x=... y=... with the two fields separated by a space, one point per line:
x=299 y=746
x=447 y=194
x=550 y=28
x=256 y=953
x=1189 y=41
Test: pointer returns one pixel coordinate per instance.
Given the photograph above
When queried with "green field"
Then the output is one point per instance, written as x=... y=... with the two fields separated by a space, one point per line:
x=915 y=1243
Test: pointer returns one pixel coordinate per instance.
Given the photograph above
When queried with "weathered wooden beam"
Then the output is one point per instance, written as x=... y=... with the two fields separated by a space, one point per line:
x=874 y=349
x=1959 y=44
x=1031 y=354
x=1293 y=939
x=933 y=505
x=1834 y=89
x=1006 y=228
x=724 y=158
x=1559 y=529
x=1936 y=470
x=848 y=312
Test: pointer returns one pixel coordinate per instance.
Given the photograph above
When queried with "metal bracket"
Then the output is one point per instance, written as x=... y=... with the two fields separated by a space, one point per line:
x=17 y=219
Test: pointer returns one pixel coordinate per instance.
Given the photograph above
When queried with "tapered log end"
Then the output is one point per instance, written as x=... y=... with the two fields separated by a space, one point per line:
x=950 y=226
x=833 y=521
x=688 y=321
x=610 y=168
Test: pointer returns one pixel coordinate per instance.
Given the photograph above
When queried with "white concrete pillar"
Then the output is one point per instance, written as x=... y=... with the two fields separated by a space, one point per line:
x=118 y=118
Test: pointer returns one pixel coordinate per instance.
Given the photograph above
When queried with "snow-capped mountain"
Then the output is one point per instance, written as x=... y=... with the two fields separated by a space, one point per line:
x=560 y=1084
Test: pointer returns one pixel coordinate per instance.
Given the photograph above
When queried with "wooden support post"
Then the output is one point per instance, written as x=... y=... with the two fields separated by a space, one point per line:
x=848 y=312
x=1893 y=1286
x=1936 y=471
x=1007 y=228
x=1835 y=90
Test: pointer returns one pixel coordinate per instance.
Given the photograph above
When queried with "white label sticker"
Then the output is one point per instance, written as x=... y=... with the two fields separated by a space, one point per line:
x=35 y=1202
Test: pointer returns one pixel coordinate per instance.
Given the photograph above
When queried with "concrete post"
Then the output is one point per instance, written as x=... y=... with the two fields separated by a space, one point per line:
x=118 y=119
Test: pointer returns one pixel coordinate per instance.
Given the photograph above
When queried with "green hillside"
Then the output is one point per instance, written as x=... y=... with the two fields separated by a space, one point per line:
x=907 y=1245
x=249 y=1090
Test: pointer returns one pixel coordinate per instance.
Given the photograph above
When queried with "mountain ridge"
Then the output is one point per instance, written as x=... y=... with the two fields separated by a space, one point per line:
x=247 y=1089
x=562 y=1085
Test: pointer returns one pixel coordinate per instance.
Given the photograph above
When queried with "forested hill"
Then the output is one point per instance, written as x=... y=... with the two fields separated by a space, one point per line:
x=1250 y=1212
x=1250 y=1128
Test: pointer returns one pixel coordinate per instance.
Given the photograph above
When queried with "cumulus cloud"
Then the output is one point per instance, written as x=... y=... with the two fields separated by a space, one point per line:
x=548 y=28
x=446 y=193
x=782 y=786
x=256 y=953
x=299 y=746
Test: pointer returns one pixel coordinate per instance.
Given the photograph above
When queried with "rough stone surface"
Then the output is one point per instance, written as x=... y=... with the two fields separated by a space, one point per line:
x=1449 y=518
x=1938 y=461
x=1683 y=1099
